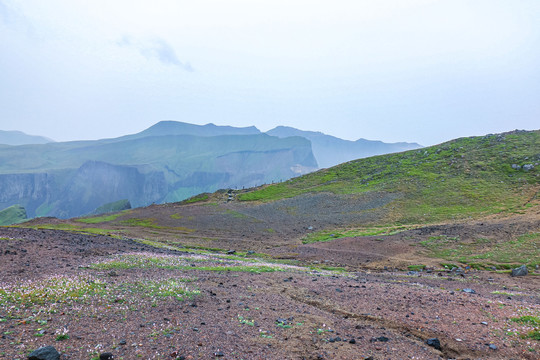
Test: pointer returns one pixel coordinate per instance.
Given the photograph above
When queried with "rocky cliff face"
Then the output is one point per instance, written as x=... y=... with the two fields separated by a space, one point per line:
x=29 y=190
x=96 y=183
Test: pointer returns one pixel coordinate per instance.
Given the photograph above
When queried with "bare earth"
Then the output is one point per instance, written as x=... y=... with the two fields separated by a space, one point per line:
x=371 y=311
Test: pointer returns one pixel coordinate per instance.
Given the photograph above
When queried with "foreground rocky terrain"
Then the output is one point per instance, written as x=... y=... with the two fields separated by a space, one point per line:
x=88 y=295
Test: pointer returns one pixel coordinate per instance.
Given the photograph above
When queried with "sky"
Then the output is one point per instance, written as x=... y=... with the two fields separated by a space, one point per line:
x=422 y=71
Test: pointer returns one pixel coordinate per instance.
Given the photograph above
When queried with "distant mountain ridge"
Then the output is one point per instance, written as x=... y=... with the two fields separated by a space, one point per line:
x=168 y=127
x=16 y=138
x=168 y=162
x=330 y=151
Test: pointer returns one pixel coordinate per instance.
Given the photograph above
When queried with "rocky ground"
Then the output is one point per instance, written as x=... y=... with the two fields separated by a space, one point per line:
x=88 y=295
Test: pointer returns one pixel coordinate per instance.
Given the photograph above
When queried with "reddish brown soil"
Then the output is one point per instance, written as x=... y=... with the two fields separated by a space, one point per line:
x=389 y=314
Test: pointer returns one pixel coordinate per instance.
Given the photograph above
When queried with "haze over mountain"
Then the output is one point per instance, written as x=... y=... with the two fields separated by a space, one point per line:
x=167 y=162
x=20 y=138
x=330 y=150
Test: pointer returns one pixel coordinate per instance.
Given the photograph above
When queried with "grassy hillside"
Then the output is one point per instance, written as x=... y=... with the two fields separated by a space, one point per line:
x=12 y=215
x=457 y=179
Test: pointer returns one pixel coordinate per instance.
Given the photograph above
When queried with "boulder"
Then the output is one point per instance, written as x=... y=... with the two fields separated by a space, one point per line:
x=520 y=271
x=434 y=342
x=44 y=353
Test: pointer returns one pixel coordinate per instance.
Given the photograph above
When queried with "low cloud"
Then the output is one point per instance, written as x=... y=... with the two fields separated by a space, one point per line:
x=157 y=49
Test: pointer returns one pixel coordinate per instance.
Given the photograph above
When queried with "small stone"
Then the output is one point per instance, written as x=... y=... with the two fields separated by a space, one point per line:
x=219 y=354
x=492 y=347
x=231 y=252
x=484 y=323
x=434 y=342
x=122 y=342
x=44 y=353
x=352 y=341
x=469 y=291
x=106 y=356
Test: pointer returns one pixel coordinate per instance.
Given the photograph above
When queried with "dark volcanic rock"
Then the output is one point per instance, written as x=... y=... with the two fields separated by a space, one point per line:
x=44 y=353
x=434 y=342
x=520 y=271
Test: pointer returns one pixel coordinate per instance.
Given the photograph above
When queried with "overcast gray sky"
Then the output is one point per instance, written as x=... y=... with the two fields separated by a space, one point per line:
x=394 y=70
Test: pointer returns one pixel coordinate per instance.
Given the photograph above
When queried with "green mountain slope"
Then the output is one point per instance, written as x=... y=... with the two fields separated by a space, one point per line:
x=12 y=215
x=461 y=178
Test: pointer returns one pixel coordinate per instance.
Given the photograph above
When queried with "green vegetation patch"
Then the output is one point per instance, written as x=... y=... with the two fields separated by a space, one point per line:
x=115 y=206
x=52 y=290
x=58 y=293
x=416 y=267
x=73 y=228
x=147 y=223
x=329 y=235
x=175 y=288
x=527 y=319
x=101 y=219
x=534 y=335
x=485 y=253
x=196 y=199
x=180 y=263
x=142 y=262
x=12 y=215
x=151 y=223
